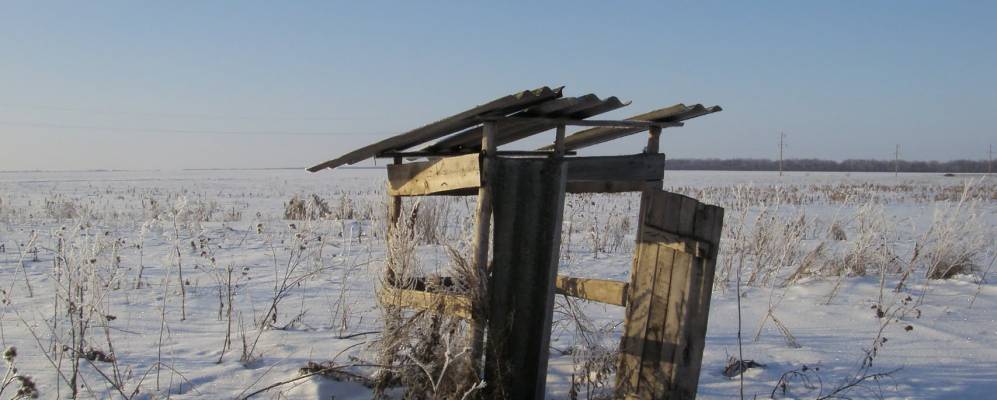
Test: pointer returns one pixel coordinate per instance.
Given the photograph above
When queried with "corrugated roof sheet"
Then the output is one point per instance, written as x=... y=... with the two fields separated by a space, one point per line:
x=462 y=132
x=594 y=136
x=502 y=106
x=569 y=107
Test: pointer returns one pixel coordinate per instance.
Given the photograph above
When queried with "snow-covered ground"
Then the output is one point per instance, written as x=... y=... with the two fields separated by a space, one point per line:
x=229 y=227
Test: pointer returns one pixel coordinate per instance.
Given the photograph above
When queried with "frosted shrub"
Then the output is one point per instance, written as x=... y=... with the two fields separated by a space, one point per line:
x=958 y=236
x=869 y=249
x=308 y=208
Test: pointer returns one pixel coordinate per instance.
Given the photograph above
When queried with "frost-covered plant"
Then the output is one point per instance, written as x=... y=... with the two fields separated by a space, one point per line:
x=308 y=208
x=958 y=236
x=25 y=386
x=429 y=352
x=593 y=362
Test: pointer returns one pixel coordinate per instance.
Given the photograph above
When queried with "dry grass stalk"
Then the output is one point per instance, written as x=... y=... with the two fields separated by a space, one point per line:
x=957 y=238
x=426 y=352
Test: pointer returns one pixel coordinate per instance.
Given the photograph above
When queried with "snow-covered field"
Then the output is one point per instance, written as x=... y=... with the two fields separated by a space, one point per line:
x=819 y=255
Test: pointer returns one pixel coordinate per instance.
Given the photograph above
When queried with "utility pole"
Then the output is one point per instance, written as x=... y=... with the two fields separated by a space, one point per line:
x=990 y=160
x=782 y=145
x=896 y=162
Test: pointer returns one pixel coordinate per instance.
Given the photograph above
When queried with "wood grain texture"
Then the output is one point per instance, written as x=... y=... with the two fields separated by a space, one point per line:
x=668 y=306
x=459 y=175
x=528 y=205
x=598 y=290
x=440 y=175
x=635 y=167
x=450 y=304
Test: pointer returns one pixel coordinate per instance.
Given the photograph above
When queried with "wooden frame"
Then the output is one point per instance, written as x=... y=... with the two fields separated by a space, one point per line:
x=661 y=352
x=668 y=305
x=598 y=290
x=461 y=175
x=667 y=299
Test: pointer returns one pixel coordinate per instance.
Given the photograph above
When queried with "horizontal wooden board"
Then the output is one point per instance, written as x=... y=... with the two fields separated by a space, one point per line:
x=635 y=167
x=450 y=304
x=697 y=248
x=458 y=175
x=434 y=176
x=605 y=186
x=598 y=290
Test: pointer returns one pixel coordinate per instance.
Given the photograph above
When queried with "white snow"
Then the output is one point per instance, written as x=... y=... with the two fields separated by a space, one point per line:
x=951 y=352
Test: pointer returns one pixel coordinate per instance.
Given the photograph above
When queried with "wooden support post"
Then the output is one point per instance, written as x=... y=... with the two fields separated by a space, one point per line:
x=559 y=141
x=529 y=205
x=483 y=230
x=396 y=204
x=392 y=310
x=653 y=147
x=653 y=140
x=394 y=211
x=669 y=299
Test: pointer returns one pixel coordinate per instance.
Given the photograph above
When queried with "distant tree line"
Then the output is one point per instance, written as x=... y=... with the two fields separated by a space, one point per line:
x=813 y=164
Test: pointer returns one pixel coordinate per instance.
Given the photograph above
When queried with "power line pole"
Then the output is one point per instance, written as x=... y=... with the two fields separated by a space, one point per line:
x=990 y=159
x=782 y=145
x=896 y=162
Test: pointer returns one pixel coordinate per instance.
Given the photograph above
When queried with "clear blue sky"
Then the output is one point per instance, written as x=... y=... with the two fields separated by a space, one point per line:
x=268 y=84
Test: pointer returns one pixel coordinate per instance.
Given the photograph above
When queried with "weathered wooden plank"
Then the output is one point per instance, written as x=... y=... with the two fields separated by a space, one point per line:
x=450 y=304
x=708 y=227
x=441 y=175
x=637 y=314
x=686 y=244
x=528 y=206
x=394 y=212
x=605 y=186
x=636 y=167
x=482 y=220
x=652 y=378
x=599 y=290
x=459 y=175
x=572 y=187
x=675 y=322
x=672 y=337
x=559 y=141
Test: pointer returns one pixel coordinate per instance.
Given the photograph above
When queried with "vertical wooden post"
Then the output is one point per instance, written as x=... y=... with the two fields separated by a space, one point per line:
x=483 y=218
x=394 y=211
x=529 y=205
x=396 y=205
x=392 y=312
x=653 y=140
x=668 y=306
x=559 y=141
x=653 y=147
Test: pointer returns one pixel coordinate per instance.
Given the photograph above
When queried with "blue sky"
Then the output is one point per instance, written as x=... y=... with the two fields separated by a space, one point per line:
x=270 y=84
